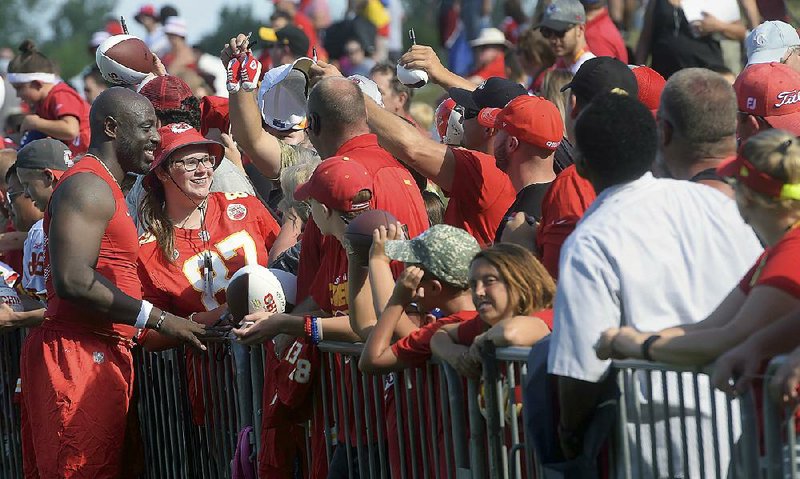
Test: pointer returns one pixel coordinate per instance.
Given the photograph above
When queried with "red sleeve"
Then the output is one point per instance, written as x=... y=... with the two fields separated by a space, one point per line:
x=67 y=104
x=309 y=259
x=777 y=267
x=414 y=349
x=562 y=207
x=480 y=196
x=469 y=330
x=267 y=226
x=545 y=315
x=746 y=284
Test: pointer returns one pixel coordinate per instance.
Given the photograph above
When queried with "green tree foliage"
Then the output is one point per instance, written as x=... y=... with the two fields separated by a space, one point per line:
x=232 y=20
x=72 y=27
x=16 y=22
x=64 y=37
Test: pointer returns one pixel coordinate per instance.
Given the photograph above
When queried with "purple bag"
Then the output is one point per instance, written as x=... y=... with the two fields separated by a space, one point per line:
x=242 y=467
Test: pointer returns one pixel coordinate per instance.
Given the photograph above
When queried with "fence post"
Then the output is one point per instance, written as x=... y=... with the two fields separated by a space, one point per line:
x=772 y=426
x=494 y=411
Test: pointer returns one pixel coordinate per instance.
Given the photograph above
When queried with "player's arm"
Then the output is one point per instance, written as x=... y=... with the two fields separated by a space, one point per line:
x=66 y=128
x=263 y=149
x=433 y=160
x=423 y=57
x=11 y=320
x=80 y=210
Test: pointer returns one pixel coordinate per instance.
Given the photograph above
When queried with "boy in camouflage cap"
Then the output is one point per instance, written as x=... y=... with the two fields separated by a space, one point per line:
x=436 y=277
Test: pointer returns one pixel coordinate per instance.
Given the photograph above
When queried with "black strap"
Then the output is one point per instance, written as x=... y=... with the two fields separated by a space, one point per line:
x=709 y=174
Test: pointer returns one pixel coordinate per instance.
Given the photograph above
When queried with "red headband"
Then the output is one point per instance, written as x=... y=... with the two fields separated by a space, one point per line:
x=742 y=170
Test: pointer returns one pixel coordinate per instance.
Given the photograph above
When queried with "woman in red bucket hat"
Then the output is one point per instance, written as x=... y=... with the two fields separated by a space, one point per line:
x=194 y=240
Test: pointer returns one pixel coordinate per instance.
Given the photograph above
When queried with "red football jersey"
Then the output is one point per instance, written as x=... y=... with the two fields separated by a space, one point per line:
x=240 y=232
x=777 y=266
x=563 y=206
x=415 y=349
x=480 y=196
x=64 y=101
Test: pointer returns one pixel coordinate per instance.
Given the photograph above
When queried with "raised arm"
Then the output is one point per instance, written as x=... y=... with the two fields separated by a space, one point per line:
x=422 y=57
x=80 y=210
x=431 y=159
x=263 y=149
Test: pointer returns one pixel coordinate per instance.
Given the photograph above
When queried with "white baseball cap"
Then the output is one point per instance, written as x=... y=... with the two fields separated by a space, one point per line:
x=368 y=87
x=769 y=41
x=283 y=96
x=176 y=26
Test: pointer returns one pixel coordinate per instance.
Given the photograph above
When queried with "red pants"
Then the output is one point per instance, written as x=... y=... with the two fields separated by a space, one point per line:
x=76 y=390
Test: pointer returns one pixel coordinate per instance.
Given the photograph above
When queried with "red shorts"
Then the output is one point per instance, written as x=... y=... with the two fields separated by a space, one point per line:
x=76 y=389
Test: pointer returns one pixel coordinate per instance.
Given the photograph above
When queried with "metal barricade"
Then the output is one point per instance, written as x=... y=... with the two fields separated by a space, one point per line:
x=780 y=431
x=192 y=406
x=673 y=423
x=10 y=440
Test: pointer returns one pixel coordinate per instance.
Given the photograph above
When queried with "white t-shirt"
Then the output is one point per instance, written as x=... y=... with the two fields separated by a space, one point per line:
x=650 y=254
x=33 y=261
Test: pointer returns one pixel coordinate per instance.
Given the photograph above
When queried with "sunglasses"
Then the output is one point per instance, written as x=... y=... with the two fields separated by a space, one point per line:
x=548 y=33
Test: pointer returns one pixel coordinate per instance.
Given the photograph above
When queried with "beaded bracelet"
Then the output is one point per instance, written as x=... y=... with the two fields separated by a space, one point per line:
x=316 y=335
x=307 y=325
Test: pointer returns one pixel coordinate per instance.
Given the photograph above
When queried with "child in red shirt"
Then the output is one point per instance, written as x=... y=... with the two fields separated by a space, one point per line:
x=59 y=111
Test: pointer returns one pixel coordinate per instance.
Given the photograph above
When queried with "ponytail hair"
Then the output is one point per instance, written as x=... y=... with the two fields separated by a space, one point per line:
x=31 y=60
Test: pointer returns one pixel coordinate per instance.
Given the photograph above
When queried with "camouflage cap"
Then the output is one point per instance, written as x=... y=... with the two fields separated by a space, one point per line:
x=443 y=251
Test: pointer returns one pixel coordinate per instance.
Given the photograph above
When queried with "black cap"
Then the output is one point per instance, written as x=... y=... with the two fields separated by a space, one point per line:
x=46 y=153
x=602 y=75
x=294 y=38
x=495 y=92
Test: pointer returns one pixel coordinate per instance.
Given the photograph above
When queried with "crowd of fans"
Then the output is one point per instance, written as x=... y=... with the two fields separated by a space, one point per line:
x=557 y=198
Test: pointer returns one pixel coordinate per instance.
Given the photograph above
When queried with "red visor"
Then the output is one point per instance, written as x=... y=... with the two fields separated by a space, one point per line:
x=742 y=170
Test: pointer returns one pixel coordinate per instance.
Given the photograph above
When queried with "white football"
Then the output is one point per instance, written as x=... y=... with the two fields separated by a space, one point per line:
x=255 y=288
x=412 y=78
x=124 y=60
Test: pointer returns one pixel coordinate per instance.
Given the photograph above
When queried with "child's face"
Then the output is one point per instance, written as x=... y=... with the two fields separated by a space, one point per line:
x=28 y=92
x=489 y=292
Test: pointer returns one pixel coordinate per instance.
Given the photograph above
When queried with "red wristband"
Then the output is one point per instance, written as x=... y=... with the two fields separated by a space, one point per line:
x=307 y=325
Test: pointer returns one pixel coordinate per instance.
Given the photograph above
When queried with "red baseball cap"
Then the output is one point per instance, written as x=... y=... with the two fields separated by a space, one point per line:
x=771 y=91
x=532 y=119
x=651 y=84
x=166 y=92
x=214 y=114
x=334 y=184
x=146 y=10
x=178 y=135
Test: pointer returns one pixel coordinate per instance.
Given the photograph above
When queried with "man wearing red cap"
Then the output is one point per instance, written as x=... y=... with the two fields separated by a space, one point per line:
x=77 y=366
x=696 y=127
x=651 y=84
x=768 y=95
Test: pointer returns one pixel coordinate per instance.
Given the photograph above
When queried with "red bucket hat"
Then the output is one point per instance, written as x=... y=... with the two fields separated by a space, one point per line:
x=178 y=135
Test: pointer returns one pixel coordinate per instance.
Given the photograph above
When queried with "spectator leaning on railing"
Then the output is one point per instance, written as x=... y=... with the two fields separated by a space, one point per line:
x=694 y=247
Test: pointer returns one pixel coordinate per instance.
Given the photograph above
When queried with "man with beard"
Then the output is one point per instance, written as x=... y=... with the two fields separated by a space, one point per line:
x=482 y=188
x=77 y=368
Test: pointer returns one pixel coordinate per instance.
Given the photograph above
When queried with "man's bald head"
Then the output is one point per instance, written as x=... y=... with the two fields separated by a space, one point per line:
x=339 y=106
x=120 y=103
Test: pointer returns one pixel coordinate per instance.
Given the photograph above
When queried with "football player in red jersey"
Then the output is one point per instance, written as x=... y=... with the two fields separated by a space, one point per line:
x=195 y=240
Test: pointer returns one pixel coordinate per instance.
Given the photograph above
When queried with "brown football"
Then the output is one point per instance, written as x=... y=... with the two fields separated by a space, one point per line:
x=132 y=53
x=359 y=232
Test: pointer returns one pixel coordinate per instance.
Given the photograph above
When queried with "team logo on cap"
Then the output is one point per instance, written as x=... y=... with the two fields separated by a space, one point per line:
x=237 y=211
x=787 y=98
x=751 y=103
x=760 y=39
x=179 y=128
x=68 y=158
x=551 y=9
